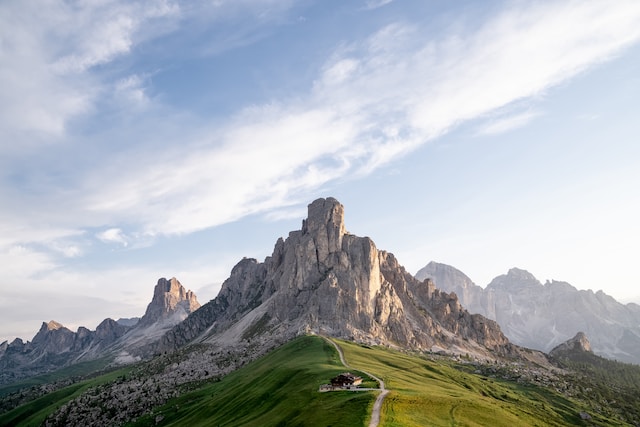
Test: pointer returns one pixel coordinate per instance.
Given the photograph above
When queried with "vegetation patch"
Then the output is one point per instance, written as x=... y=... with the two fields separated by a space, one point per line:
x=279 y=389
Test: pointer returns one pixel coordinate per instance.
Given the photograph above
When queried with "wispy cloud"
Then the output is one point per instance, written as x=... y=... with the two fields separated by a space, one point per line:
x=375 y=4
x=48 y=52
x=374 y=100
x=508 y=123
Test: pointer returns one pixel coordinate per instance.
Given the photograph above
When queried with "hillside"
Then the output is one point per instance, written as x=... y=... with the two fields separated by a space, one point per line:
x=281 y=388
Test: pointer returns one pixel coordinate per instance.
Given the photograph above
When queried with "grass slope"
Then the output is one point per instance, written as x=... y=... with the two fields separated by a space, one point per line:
x=35 y=412
x=439 y=393
x=279 y=389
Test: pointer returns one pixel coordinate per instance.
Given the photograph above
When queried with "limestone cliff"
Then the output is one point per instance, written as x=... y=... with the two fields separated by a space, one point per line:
x=170 y=299
x=322 y=279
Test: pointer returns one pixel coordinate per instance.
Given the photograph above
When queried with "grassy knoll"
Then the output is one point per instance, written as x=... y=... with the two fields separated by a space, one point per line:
x=278 y=389
x=435 y=393
x=34 y=412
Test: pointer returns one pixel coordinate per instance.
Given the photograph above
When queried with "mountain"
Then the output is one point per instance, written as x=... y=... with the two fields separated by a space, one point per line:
x=324 y=280
x=55 y=346
x=578 y=344
x=541 y=316
x=440 y=360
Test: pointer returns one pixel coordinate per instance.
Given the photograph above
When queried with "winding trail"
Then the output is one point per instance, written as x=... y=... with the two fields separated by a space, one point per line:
x=375 y=413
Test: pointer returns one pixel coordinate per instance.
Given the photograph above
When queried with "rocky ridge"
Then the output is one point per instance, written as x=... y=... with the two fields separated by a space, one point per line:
x=55 y=346
x=541 y=316
x=324 y=280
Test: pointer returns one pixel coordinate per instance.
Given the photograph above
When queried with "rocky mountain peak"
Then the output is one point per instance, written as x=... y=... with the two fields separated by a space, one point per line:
x=577 y=344
x=322 y=279
x=52 y=325
x=516 y=279
x=325 y=223
x=169 y=298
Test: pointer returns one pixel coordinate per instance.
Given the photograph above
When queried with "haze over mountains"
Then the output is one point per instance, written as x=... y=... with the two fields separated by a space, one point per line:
x=55 y=346
x=541 y=316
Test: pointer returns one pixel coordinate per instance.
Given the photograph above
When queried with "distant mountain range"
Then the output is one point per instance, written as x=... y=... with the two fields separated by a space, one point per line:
x=55 y=346
x=541 y=316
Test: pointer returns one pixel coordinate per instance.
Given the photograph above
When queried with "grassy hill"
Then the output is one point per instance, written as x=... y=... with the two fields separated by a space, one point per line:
x=277 y=390
x=281 y=389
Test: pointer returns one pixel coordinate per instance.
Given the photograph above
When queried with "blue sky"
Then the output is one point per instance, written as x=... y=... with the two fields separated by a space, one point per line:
x=147 y=139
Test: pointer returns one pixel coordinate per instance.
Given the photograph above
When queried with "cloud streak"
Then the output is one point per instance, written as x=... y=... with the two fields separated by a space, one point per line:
x=374 y=101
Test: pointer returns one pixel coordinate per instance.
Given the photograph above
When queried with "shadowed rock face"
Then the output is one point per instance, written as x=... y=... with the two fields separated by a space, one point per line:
x=322 y=279
x=541 y=316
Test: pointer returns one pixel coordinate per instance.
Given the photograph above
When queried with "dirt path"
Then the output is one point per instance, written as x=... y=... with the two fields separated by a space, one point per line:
x=375 y=413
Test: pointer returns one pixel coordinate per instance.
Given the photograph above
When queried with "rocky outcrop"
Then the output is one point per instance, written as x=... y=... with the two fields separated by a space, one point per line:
x=541 y=316
x=170 y=301
x=324 y=280
x=577 y=344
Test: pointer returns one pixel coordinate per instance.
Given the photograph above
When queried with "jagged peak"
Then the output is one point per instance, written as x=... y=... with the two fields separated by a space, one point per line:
x=168 y=297
x=52 y=325
x=324 y=214
x=579 y=343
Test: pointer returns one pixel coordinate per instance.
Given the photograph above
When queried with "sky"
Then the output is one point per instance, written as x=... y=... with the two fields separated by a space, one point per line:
x=158 y=138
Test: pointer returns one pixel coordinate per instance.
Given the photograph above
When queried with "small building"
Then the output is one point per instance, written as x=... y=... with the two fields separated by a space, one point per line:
x=346 y=380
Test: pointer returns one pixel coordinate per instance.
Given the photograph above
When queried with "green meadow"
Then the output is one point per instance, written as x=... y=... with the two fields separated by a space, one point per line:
x=438 y=393
x=281 y=389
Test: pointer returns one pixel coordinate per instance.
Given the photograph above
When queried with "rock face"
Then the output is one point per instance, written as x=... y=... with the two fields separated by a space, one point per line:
x=577 y=344
x=170 y=301
x=55 y=346
x=541 y=316
x=322 y=279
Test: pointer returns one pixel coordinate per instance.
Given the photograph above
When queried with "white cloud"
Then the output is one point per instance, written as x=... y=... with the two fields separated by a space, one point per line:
x=113 y=235
x=48 y=48
x=375 y=4
x=373 y=102
x=508 y=123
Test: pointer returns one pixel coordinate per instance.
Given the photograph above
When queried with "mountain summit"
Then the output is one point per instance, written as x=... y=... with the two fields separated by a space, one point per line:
x=170 y=299
x=324 y=280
